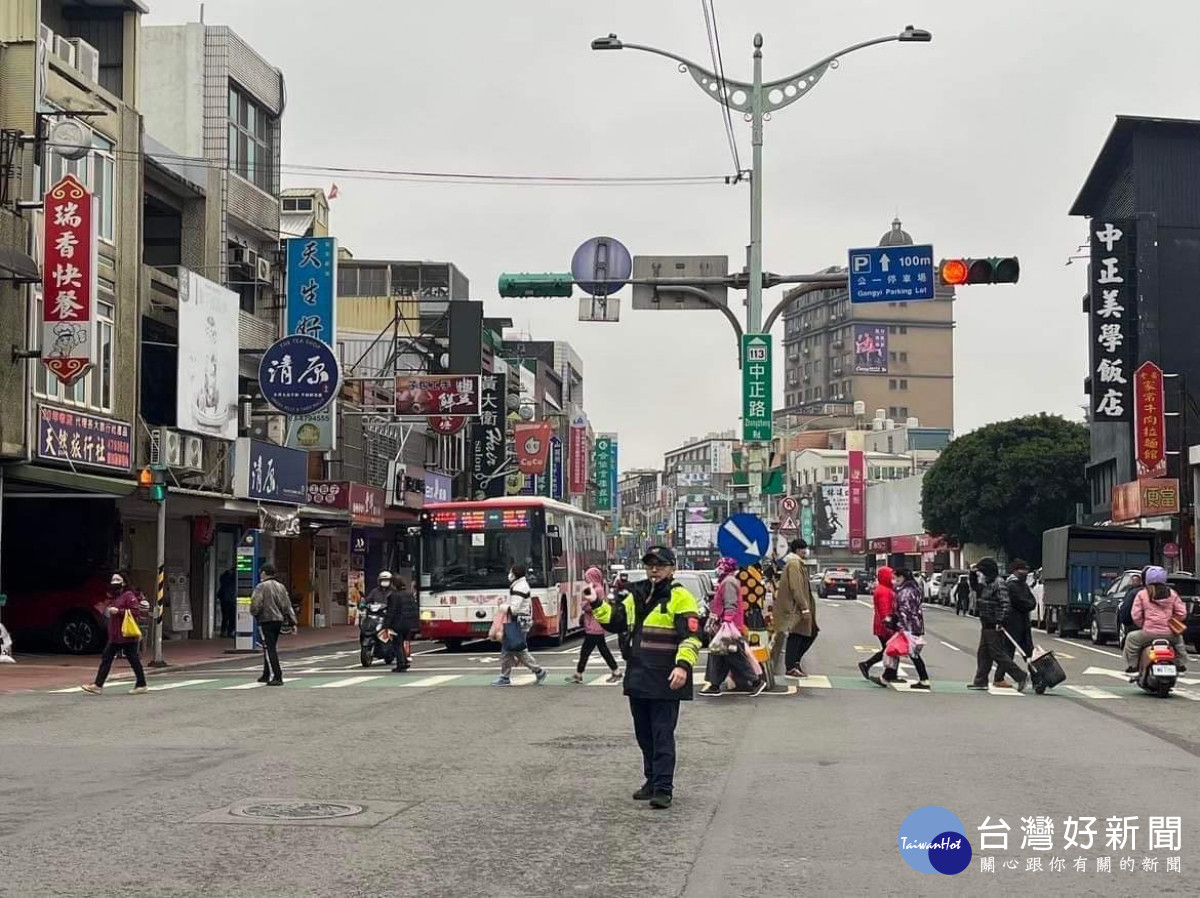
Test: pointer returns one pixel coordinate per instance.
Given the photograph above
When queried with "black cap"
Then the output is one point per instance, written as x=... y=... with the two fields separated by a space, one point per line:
x=659 y=554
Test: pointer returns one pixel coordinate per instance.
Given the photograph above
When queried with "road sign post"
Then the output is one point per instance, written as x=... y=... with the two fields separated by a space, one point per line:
x=756 y=388
x=891 y=274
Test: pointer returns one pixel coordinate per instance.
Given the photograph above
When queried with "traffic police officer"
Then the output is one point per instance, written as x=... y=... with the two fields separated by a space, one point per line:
x=659 y=620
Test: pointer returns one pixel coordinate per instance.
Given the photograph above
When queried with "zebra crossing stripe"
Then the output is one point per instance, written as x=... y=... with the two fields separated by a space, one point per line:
x=1092 y=691
x=244 y=686
x=814 y=681
x=179 y=685
x=348 y=681
x=1187 y=693
x=992 y=690
x=430 y=681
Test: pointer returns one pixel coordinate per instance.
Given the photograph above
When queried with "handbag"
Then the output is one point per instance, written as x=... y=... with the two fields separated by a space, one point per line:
x=514 y=637
x=129 y=626
x=898 y=645
x=1177 y=626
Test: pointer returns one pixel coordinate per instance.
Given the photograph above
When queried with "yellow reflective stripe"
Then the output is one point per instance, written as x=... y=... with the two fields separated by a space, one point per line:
x=689 y=651
x=603 y=613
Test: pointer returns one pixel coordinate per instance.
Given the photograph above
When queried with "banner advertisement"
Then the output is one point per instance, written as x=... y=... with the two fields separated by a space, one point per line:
x=533 y=446
x=68 y=280
x=1150 y=426
x=870 y=349
x=701 y=536
x=207 y=394
x=833 y=511
x=807 y=524
x=858 y=501
x=488 y=449
x=578 y=472
x=604 y=464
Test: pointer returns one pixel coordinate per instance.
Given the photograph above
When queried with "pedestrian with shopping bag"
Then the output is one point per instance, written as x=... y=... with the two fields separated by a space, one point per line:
x=910 y=621
x=728 y=651
x=514 y=647
x=883 y=622
x=594 y=636
x=120 y=610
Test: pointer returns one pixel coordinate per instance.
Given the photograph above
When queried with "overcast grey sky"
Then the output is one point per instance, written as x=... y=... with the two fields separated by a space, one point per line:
x=980 y=140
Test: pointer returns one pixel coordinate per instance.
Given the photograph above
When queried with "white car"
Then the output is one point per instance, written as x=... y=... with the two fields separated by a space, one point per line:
x=933 y=586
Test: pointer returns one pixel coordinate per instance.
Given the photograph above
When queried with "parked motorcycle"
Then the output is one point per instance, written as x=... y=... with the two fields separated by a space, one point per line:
x=1157 y=669
x=373 y=639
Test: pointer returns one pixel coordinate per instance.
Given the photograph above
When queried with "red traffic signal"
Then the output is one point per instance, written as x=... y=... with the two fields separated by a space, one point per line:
x=993 y=270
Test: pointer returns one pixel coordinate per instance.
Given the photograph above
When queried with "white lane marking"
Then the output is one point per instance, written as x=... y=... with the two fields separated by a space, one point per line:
x=68 y=689
x=1090 y=648
x=524 y=680
x=992 y=690
x=1187 y=693
x=907 y=687
x=602 y=680
x=243 y=686
x=431 y=681
x=814 y=681
x=349 y=681
x=952 y=648
x=1106 y=672
x=866 y=604
x=179 y=685
x=1092 y=691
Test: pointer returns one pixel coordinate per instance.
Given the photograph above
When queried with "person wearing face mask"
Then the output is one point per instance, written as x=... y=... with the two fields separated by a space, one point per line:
x=993 y=604
x=121 y=600
x=593 y=634
x=662 y=622
x=514 y=648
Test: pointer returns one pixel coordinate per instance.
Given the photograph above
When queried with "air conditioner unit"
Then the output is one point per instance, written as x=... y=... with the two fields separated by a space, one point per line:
x=263 y=270
x=166 y=447
x=272 y=428
x=238 y=255
x=193 y=453
x=87 y=58
x=64 y=50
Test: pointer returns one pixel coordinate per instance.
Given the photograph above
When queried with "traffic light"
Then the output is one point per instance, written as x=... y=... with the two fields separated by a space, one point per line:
x=542 y=284
x=152 y=485
x=993 y=270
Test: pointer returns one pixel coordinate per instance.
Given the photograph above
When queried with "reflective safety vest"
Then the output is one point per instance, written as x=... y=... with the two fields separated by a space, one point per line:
x=659 y=634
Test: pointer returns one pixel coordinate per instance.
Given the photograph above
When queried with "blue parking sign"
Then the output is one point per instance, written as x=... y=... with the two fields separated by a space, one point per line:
x=891 y=274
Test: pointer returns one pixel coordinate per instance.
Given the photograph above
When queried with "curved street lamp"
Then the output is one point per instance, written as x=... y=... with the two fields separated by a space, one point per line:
x=757 y=100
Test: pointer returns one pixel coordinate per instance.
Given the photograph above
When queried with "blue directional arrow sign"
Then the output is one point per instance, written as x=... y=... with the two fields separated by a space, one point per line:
x=744 y=538
x=891 y=274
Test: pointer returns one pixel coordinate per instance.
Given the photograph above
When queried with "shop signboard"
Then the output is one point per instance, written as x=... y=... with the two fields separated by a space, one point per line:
x=269 y=473
x=312 y=312
x=1145 y=499
x=364 y=503
x=298 y=375
x=557 y=469
x=533 y=446
x=1150 y=426
x=207 y=373
x=487 y=438
x=84 y=440
x=603 y=464
x=442 y=395
x=437 y=487
x=1113 y=318
x=578 y=472
x=858 y=502
x=68 y=280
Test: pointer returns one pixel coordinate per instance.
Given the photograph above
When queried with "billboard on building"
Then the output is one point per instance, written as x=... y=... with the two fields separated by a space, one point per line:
x=1113 y=318
x=721 y=457
x=69 y=279
x=833 y=515
x=701 y=514
x=700 y=536
x=207 y=391
x=870 y=349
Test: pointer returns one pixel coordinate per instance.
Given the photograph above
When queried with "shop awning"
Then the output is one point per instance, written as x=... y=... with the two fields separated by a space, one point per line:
x=58 y=480
x=17 y=267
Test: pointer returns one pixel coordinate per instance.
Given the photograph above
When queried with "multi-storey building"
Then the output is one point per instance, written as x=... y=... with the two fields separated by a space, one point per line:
x=898 y=356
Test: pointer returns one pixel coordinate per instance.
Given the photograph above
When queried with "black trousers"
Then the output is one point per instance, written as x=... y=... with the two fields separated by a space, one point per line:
x=130 y=651
x=878 y=656
x=654 y=723
x=719 y=667
x=961 y=605
x=229 y=617
x=797 y=645
x=992 y=644
x=270 y=637
x=595 y=641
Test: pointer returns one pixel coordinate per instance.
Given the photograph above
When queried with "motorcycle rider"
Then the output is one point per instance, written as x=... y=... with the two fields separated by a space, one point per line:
x=382 y=594
x=404 y=620
x=1153 y=610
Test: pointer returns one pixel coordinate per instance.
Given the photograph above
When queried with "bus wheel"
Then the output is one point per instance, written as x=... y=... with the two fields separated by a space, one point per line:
x=453 y=645
x=561 y=636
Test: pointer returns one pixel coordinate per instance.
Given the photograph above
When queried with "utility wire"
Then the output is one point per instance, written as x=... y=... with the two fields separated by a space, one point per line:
x=714 y=49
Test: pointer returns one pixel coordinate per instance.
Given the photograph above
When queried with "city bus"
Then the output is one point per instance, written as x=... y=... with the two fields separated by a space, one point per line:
x=468 y=547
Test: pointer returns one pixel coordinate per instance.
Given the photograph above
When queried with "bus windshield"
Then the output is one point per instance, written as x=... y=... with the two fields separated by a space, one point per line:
x=481 y=559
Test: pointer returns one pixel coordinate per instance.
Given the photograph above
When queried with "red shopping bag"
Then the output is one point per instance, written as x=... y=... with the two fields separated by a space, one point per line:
x=897 y=646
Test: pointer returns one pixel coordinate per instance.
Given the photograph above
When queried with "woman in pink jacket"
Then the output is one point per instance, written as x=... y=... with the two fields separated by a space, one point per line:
x=594 y=636
x=1153 y=610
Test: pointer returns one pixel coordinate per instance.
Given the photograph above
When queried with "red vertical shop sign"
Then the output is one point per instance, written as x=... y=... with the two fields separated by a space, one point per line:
x=1150 y=427
x=858 y=502
x=68 y=280
x=578 y=456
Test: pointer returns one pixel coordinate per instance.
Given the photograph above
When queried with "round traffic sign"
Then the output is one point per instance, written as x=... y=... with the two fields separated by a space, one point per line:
x=298 y=375
x=744 y=538
x=601 y=266
x=789 y=504
x=1170 y=550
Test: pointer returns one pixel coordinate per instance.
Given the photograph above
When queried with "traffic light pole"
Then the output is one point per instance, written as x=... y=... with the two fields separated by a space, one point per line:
x=156 y=620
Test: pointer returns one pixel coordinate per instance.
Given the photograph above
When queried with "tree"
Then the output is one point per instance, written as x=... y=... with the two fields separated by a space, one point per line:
x=1006 y=483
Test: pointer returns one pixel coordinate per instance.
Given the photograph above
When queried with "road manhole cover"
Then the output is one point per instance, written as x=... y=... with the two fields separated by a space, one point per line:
x=297 y=810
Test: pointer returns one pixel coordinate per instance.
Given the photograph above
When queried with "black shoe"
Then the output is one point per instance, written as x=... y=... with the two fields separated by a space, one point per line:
x=756 y=689
x=399 y=670
x=711 y=689
x=923 y=684
x=263 y=679
x=274 y=682
x=864 y=669
x=661 y=801
x=643 y=794
x=1131 y=670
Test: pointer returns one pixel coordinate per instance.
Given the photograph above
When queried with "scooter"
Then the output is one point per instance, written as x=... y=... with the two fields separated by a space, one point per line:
x=373 y=639
x=1157 y=669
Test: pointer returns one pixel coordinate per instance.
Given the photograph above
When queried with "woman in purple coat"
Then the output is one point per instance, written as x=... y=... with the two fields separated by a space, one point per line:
x=121 y=599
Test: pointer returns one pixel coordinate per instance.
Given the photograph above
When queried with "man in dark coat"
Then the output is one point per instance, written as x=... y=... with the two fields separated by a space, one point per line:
x=404 y=620
x=1021 y=604
x=993 y=606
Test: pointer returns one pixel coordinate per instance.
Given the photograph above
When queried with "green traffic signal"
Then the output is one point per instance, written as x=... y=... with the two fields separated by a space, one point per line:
x=542 y=284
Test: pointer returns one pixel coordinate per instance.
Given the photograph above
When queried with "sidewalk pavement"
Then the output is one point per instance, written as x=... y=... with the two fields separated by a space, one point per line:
x=49 y=671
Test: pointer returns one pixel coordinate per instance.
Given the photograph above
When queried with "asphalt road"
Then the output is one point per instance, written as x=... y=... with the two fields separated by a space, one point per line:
x=467 y=789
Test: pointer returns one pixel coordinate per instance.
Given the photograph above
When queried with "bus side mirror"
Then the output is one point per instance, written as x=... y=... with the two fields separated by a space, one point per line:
x=555 y=545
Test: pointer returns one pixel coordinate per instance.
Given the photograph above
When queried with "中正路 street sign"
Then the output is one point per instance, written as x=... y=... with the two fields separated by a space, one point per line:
x=891 y=274
x=756 y=388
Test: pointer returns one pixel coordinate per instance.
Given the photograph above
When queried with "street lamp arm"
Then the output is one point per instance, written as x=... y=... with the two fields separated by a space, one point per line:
x=708 y=82
x=789 y=297
x=803 y=81
x=707 y=298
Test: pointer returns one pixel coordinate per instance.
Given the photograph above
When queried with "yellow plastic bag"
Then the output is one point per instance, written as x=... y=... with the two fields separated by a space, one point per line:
x=129 y=627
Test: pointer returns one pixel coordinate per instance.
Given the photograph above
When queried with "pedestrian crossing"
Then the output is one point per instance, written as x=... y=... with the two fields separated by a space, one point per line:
x=814 y=684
